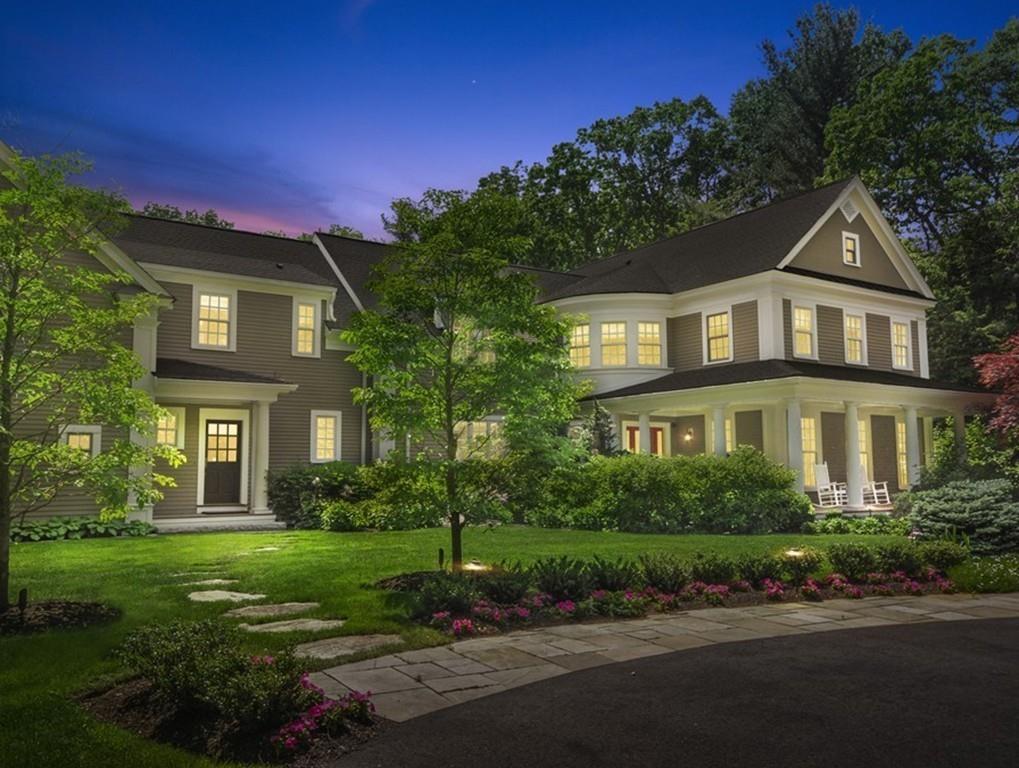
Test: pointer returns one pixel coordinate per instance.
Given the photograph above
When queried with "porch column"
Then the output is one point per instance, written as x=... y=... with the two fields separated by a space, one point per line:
x=959 y=422
x=794 y=441
x=644 y=426
x=854 y=482
x=260 y=459
x=718 y=429
x=912 y=447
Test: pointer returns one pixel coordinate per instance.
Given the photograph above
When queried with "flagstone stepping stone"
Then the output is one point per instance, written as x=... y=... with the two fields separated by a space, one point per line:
x=220 y=595
x=346 y=645
x=270 y=609
x=267 y=549
x=209 y=582
x=295 y=625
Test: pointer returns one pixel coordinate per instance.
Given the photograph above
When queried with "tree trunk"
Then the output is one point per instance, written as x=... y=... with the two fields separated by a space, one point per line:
x=6 y=440
x=453 y=510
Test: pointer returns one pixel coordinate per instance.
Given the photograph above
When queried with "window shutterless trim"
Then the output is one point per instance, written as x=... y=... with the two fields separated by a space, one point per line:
x=892 y=322
x=706 y=338
x=856 y=242
x=95 y=431
x=812 y=308
x=315 y=328
x=197 y=291
x=337 y=417
x=179 y=413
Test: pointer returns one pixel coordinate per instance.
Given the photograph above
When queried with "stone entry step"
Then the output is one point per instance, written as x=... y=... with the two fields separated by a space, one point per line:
x=345 y=645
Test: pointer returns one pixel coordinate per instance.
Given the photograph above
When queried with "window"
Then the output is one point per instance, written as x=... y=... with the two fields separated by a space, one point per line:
x=83 y=437
x=649 y=343
x=808 y=435
x=170 y=428
x=213 y=319
x=580 y=346
x=478 y=438
x=613 y=344
x=851 y=249
x=306 y=329
x=854 y=339
x=900 y=454
x=222 y=441
x=717 y=327
x=901 y=353
x=728 y=436
x=864 y=443
x=803 y=332
x=325 y=436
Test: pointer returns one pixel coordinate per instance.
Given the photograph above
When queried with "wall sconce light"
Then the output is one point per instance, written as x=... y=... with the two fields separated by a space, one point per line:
x=688 y=436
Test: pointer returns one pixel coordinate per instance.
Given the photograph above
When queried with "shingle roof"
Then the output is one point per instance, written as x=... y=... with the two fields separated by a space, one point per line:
x=355 y=259
x=765 y=370
x=745 y=244
x=170 y=368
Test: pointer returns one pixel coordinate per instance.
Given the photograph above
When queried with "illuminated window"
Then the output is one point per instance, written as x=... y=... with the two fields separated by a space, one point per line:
x=613 y=344
x=808 y=435
x=580 y=346
x=717 y=326
x=864 y=443
x=854 y=339
x=728 y=436
x=214 y=322
x=900 y=345
x=306 y=329
x=478 y=438
x=803 y=332
x=170 y=428
x=82 y=437
x=81 y=441
x=649 y=343
x=851 y=249
x=900 y=454
x=222 y=441
x=325 y=436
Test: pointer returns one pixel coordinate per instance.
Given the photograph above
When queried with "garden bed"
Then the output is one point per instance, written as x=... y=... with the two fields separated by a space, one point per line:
x=55 y=614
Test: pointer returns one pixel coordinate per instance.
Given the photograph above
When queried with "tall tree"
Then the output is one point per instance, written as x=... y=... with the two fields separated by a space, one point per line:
x=458 y=337
x=61 y=358
x=210 y=218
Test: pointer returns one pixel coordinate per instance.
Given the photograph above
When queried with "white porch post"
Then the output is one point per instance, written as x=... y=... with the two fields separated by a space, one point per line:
x=718 y=429
x=794 y=441
x=959 y=422
x=644 y=425
x=854 y=482
x=912 y=446
x=260 y=460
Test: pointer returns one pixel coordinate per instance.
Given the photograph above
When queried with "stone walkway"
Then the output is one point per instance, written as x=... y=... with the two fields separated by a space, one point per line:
x=412 y=683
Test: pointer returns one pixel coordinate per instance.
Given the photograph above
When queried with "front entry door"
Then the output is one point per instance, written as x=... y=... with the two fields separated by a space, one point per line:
x=223 y=462
x=657 y=440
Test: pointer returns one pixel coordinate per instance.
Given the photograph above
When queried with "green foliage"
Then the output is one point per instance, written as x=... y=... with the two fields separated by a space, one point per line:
x=988 y=455
x=984 y=511
x=455 y=592
x=712 y=568
x=664 y=571
x=210 y=218
x=78 y=528
x=899 y=556
x=994 y=573
x=800 y=563
x=504 y=584
x=943 y=554
x=259 y=691
x=755 y=568
x=854 y=561
x=835 y=523
x=563 y=577
x=296 y=493
x=612 y=575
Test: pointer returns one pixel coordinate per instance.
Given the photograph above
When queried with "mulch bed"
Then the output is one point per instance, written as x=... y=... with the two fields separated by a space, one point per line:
x=55 y=614
x=133 y=707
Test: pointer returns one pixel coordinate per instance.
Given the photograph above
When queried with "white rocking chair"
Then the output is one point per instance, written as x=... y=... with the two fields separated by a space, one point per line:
x=829 y=494
x=874 y=492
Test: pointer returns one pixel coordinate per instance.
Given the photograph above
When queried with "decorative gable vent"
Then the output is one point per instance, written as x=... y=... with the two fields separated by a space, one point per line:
x=849 y=210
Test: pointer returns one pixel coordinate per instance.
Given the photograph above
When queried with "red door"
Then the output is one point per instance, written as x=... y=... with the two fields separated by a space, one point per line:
x=657 y=440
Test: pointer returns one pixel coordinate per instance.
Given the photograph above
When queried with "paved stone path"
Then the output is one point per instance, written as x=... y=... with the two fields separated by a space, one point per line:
x=412 y=683
x=345 y=645
x=270 y=609
x=219 y=595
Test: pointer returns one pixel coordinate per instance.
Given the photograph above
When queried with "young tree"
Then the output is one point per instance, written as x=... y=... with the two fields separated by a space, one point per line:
x=61 y=358
x=458 y=337
x=1000 y=371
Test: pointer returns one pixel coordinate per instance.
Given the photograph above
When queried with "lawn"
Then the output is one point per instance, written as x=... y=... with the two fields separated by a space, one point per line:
x=40 y=725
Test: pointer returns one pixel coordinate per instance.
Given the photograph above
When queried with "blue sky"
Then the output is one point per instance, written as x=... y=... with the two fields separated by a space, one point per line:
x=295 y=115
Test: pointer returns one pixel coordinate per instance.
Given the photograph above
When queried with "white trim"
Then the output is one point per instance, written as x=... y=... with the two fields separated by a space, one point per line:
x=853 y=312
x=727 y=310
x=812 y=306
x=199 y=289
x=661 y=339
x=626 y=343
x=892 y=320
x=180 y=414
x=921 y=332
x=336 y=271
x=313 y=431
x=95 y=430
x=666 y=426
x=207 y=392
x=228 y=414
x=316 y=346
x=849 y=210
x=856 y=239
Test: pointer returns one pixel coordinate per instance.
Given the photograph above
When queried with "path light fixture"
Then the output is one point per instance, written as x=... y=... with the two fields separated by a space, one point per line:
x=475 y=565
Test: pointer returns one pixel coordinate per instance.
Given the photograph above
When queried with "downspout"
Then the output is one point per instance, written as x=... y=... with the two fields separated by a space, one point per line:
x=364 y=423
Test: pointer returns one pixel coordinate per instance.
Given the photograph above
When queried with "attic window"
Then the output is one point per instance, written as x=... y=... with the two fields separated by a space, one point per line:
x=851 y=249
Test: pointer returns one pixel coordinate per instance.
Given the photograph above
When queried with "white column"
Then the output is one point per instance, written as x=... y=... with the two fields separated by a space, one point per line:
x=260 y=459
x=854 y=481
x=959 y=422
x=644 y=425
x=912 y=446
x=928 y=440
x=794 y=441
x=718 y=429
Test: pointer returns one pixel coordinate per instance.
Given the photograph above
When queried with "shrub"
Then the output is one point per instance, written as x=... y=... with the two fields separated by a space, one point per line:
x=756 y=568
x=877 y=524
x=854 y=561
x=664 y=572
x=296 y=493
x=712 y=568
x=943 y=554
x=563 y=577
x=505 y=584
x=798 y=564
x=612 y=575
x=898 y=556
x=78 y=528
x=984 y=510
x=452 y=592
x=261 y=691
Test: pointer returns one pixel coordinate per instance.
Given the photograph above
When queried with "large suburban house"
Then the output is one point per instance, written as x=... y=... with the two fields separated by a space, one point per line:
x=798 y=328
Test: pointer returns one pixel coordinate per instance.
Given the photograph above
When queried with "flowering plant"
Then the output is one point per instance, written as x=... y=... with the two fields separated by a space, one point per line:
x=715 y=594
x=852 y=592
x=324 y=716
x=463 y=627
x=914 y=587
x=773 y=589
x=885 y=590
x=812 y=591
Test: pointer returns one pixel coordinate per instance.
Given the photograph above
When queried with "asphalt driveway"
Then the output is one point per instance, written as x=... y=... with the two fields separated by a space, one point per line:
x=925 y=695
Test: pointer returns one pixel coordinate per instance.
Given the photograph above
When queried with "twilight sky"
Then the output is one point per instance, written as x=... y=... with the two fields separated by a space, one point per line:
x=294 y=115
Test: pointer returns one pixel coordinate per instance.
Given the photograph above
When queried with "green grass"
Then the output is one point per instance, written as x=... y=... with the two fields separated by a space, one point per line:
x=40 y=725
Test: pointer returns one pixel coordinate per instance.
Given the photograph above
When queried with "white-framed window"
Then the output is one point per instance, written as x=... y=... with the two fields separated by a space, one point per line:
x=718 y=337
x=856 y=343
x=325 y=436
x=804 y=338
x=901 y=460
x=307 y=332
x=808 y=436
x=730 y=437
x=580 y=345
x=214 y=318
x=613 y=344
x=851 y=249
x=83 y=437
x=902 y=345
x=649 y=343
x=170 y=427
x=482 y=438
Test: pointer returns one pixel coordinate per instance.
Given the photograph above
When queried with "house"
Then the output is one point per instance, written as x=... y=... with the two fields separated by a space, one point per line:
x=798 y=328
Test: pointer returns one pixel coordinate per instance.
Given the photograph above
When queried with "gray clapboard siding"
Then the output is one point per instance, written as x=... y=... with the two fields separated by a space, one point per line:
x=749 y=429
x=685 y=345
x=830 y=336
x=879 y=341
x=833 y=444
x=745 y=340
x=882 y=436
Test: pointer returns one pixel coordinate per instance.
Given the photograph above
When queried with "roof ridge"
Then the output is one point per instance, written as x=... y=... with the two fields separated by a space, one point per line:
x=214 y=228
x=353 y=239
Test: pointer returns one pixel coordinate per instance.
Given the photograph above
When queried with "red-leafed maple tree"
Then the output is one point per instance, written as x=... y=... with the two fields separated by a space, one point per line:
x=1000 y=371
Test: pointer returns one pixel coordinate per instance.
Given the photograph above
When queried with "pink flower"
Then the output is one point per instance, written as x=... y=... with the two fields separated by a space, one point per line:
x=566 y=606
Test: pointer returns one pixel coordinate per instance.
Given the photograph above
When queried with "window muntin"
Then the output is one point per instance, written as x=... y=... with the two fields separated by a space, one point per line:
x=803 y=332
x=613 y=344
x=81 y=441
x=649 y=343
x=580 y=345
x=901 y=353
x=170 y=427
x=901 y=462
x=482 y=438
x=306 y=329
x=854 y=338
x=851 y=249
x=808 y=436
x=82 y=437
x=717 y=328
x=222 y=441
x=325 y=436
x=214 y=320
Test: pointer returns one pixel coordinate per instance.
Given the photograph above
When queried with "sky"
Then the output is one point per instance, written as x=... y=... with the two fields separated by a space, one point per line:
x=291 y=116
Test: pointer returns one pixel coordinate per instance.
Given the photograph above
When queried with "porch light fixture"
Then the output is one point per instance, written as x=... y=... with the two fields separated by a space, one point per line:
x=689 y=435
